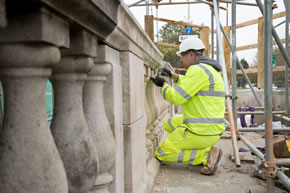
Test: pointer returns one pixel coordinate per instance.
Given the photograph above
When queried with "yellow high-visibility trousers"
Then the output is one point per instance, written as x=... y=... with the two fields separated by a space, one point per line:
x=182 y=146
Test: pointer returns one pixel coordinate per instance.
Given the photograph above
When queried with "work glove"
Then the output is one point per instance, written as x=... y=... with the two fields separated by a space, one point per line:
x=165 y=72
x=158 y=81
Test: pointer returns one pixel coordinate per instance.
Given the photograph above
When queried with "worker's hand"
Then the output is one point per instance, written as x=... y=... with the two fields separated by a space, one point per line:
x=165 y=72
x=158 y=81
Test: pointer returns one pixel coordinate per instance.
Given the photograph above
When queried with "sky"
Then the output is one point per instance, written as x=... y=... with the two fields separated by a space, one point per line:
x=200 y=14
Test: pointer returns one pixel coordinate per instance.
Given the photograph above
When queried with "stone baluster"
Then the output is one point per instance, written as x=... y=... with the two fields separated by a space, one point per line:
x=99 y=125
x=149 y=144
x=69 y=126
x=149 y=87
x=154 y=99
x=29 y=160
x=158 y=129
x=151 y=112
x=155 y=109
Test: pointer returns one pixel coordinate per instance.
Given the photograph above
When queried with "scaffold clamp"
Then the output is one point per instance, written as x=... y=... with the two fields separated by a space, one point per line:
x=268 y=164
x=270 y=174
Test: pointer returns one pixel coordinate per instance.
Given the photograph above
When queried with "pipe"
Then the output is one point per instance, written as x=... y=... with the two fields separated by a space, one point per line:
x=257 y=129
x=241 y=67
x=280 y=24
x=268 y=90
x=256 y=108
x=178 y=3
x=284 y=179
x=234 y=62
x=275 y=35
x=136 y=3
x=287 y=6
x=212 y=33
x=217 y=40
x=240 y=3
x=285 y=118
x=257 y=152
x=257 y=113
x=283 y=162
x=228 y=102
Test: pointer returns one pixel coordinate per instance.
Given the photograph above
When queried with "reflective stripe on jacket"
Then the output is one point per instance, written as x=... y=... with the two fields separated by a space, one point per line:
x=201 y=92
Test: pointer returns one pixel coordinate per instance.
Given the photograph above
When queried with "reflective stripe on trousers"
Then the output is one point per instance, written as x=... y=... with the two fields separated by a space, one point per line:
x=204 y=120
x=191 y=158
x=181 y=155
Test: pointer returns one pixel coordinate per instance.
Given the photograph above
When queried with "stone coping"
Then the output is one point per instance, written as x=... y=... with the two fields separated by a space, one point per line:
x=129 y=36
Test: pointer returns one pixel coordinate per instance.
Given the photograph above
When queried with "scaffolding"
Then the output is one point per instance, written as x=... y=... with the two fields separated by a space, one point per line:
x=268 y=164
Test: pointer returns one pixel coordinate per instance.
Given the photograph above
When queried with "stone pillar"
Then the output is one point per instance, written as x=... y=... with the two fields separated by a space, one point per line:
x=28 y=152
x=29 y=160
x=134 y=122
x=154 y=97
x=155 y=109
x=113 y=107
x=150 y=140
x=99 y=125
x=69 y=126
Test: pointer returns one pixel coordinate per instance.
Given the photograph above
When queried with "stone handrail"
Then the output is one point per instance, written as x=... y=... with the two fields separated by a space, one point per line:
x=107 y=114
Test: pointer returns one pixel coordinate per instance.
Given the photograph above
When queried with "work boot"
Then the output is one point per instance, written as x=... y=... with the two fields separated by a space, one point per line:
x=213 y=159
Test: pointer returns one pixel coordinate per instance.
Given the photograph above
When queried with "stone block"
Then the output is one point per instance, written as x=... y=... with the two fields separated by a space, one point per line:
x=98 y=16
x=135 y=157
x=38 y=25
x=152 y=171
x=133 y=87
x=81 y=43
x=109 y=7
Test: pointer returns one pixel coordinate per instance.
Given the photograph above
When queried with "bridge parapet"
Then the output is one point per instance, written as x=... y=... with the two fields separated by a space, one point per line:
x=107 y=114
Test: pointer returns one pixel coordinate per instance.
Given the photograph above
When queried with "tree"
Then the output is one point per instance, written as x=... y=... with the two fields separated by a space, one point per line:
x=279 y=58
x=169 y=33
x=244 y=63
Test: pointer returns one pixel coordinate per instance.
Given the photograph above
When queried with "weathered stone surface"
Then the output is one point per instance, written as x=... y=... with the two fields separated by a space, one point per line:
x=129 y=35
x=36 y=25
x=89 y=14
x=29 y=55
x=135 y=157
x=113 y=107
x=82 y=43
x=99 y=125
x=29 y=160
x=69 y=126
x=78 y=26
x=133 y=87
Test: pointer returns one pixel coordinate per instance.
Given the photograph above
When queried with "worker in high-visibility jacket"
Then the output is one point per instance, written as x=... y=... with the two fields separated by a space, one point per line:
x=201 y=93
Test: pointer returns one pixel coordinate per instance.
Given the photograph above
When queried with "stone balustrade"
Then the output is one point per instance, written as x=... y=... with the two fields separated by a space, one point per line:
x=107 y=114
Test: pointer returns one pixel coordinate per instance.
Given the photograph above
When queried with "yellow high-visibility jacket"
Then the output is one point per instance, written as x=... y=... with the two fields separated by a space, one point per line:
x=201 y=92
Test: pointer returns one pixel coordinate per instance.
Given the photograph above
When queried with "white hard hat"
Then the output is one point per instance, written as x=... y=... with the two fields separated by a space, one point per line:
x=191 y=43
